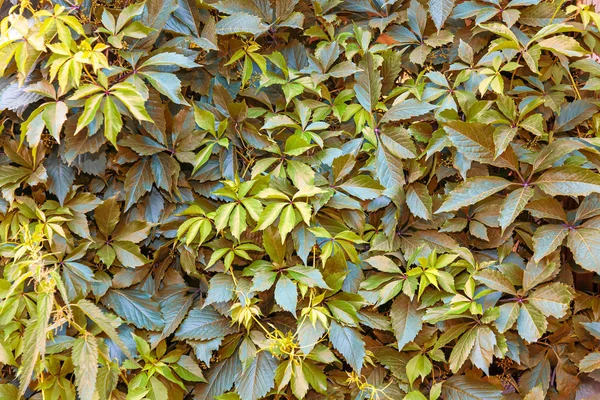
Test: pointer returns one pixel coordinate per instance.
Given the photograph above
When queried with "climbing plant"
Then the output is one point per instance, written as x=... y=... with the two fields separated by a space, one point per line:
x=324 y=199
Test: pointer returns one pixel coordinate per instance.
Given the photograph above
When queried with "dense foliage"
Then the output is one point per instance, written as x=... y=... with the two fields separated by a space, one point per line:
x=326 y=199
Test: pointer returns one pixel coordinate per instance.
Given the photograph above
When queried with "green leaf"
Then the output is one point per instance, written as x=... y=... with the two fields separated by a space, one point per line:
x=241 y=23
x=531 y=323
x=6 y=354
x=475 y=141
x=113 y=123
x=166 y=171
x=136 y=307
x=85 y=360
x=169 y=59
x=439 y=11
x=287 y=221
x=482 y=354
x=308 y=276
x=92 y=105
x=414 y=395
x=304 y=240
x=60 y=177
x=590 y=362
x=503 y=136
x=54 y=116
x=204 y=324
x=131 y=98
x=462 y=350
x=344 y=69
x=309 y=334
x=286 y=294
x=537 y=273
x=8 y=391
x=204 y=119
x=573 y=114
x=553 y=300
x=222 y=216
x=398 y=142
x=228 y=396
x=106 y=254
x=461 y=387
x=299 y=384
x=256 y=381
x=419 y=201
x=555 y=151
x=419 y=365
x=174 y=308
x=155 y=15
x=129 y=254
x=272 y=245
x=86 y=90
x=508 y=316
x=584 y=244
x=368 y=83
x=389 y=170
x=269 y=215
x=220 y=378
x=33 y=127
x=34 y=340
x=513 y=205
x=167 y=84
x=105 y=323
x=407 y=109
x=547 y=208
x=138 y=181
x=546 y=239
x=407 y=320
x=10 y=174
x=495 y=280
x=383 y=264
x=128 y=13
x=538 y=375
x=593 y=328
x=135 y=231
x=188 y=369
x=472 y=191
x=221 y=289
x=569 y=181
x=537 y=393
x=563 y=44
x=280 y=121
x=314 y=376
x=349 y=343
x=107 y=216
x=237 y=221
x=362 y=186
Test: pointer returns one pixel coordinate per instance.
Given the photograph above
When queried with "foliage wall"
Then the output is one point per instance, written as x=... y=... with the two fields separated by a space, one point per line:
x=326 y=199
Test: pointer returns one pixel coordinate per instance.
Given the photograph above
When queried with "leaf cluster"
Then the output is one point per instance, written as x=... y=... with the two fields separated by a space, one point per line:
x=325 y=199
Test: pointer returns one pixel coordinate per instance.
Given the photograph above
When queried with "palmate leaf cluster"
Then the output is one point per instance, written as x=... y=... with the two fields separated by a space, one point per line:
x=326 y=199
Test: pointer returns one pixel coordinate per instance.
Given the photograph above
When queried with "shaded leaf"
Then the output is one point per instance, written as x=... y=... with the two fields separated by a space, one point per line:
x=472 y=191
x=349 y=343
x=407 y=320
x=135 y=306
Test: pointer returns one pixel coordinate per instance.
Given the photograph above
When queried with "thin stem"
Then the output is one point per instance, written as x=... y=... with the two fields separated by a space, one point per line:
x=556 y=11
